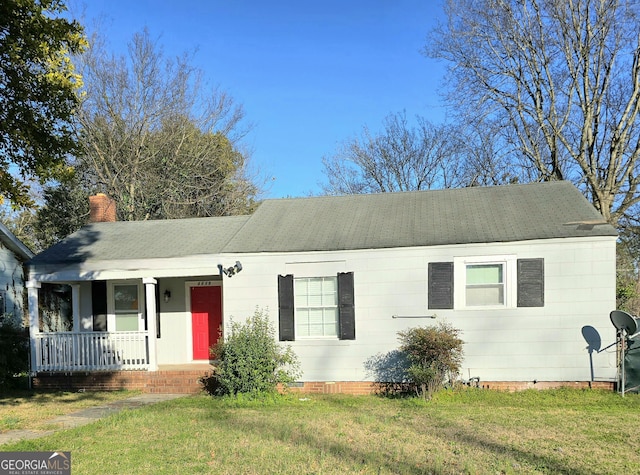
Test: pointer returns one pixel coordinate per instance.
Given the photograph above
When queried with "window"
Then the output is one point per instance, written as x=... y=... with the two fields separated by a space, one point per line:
x=55 y=307
x=316 y=300
x=490 y=281
x=126 y=306
x=484 y=285
x=316 y=307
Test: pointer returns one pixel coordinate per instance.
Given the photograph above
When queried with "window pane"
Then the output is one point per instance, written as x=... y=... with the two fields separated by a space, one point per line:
x=329 y=285
x=301 y=292
x=302 y=322
x=314 y=300
x=126 y=298
x=484 y=274
x=331 y=322
x=315 y=316
x=478 y=295
x=315 y=330
x=127 y=322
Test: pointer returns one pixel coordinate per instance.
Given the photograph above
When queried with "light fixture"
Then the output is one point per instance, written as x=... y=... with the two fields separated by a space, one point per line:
x=167 y=295
x=230 y=271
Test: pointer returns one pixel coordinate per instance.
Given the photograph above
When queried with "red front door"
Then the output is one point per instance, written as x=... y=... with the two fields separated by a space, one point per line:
x=206 y=319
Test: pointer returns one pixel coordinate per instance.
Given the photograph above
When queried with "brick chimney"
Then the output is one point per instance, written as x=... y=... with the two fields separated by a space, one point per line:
x=102 y=209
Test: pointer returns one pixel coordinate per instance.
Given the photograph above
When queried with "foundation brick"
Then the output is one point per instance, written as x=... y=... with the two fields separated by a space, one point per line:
x=188 y=382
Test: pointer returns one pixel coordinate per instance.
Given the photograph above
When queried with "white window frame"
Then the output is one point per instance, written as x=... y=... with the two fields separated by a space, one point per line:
x=111 y=303
x=298 y=307
x=509 y=272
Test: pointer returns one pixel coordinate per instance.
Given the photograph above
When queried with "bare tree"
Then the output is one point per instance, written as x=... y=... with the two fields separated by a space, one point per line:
x=156 y=140
x=400 y=158
x=562 y=78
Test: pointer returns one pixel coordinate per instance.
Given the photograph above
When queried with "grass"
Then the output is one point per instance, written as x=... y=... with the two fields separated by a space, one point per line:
x=472 y=431
x=22 y=409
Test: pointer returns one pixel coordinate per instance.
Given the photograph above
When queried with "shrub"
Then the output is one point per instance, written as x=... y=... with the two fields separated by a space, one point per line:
x=14 y=353
x=434 y=354
x=250 y=360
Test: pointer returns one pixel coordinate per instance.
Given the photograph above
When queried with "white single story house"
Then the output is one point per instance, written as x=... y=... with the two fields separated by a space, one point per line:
x=13 y=255
x=527 y=273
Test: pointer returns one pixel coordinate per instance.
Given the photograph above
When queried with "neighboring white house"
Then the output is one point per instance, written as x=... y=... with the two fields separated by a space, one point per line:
x=526 y=272
x=13 y=254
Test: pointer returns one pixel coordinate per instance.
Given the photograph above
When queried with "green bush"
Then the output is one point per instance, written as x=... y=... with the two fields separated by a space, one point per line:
x=250 y=360
x=434 y=354
x=14 y=354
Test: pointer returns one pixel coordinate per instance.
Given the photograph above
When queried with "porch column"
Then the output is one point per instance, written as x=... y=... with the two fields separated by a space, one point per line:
x=150 y=293
x=34 y=321
x=75 y=306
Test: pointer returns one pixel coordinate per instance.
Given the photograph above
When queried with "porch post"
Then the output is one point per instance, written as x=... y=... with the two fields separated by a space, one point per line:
x=34 y=320
x=150 y=293
x=75 y=306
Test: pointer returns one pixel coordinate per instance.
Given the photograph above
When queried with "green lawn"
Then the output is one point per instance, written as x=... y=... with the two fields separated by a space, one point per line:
x=474 y=431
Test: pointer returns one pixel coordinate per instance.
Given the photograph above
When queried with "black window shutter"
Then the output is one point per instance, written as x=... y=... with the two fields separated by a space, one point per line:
x=285 y=308
x=530 y=282
x=99 y=305
x=346 y=307
x=440 y=286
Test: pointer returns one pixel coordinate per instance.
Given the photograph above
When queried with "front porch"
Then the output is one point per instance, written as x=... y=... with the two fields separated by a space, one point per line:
x=110 y=360
x=90 y=351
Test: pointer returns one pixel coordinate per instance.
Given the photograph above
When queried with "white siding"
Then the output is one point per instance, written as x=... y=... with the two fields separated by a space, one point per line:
x=174 y=324
x=507 y=344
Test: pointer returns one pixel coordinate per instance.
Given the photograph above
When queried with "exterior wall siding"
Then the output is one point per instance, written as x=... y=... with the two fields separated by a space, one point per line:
x=174 y=324
x=503 y=344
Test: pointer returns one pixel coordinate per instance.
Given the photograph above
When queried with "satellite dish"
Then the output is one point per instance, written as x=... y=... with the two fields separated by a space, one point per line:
x=624 y=322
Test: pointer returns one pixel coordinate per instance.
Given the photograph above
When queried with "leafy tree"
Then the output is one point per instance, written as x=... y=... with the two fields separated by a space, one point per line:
x=156 y=141
x=66 y=209
x=561 y=79
x=434 y=354
x=250 y=360
x=38 y=88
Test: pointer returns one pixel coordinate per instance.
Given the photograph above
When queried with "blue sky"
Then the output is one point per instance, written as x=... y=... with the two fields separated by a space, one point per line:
x=310 y=75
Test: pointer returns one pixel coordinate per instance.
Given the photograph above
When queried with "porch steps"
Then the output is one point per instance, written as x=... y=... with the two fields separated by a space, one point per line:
x=173 y=381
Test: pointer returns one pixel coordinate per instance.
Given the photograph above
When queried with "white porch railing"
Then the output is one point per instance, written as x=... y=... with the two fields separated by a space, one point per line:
x=91 y=351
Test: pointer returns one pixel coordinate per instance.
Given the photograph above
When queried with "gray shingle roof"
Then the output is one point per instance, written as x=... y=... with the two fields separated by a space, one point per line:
x=424 y=218
x=143 y=240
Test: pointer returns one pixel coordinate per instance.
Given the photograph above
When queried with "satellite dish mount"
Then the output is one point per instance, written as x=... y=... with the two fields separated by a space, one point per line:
x=626 y=326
